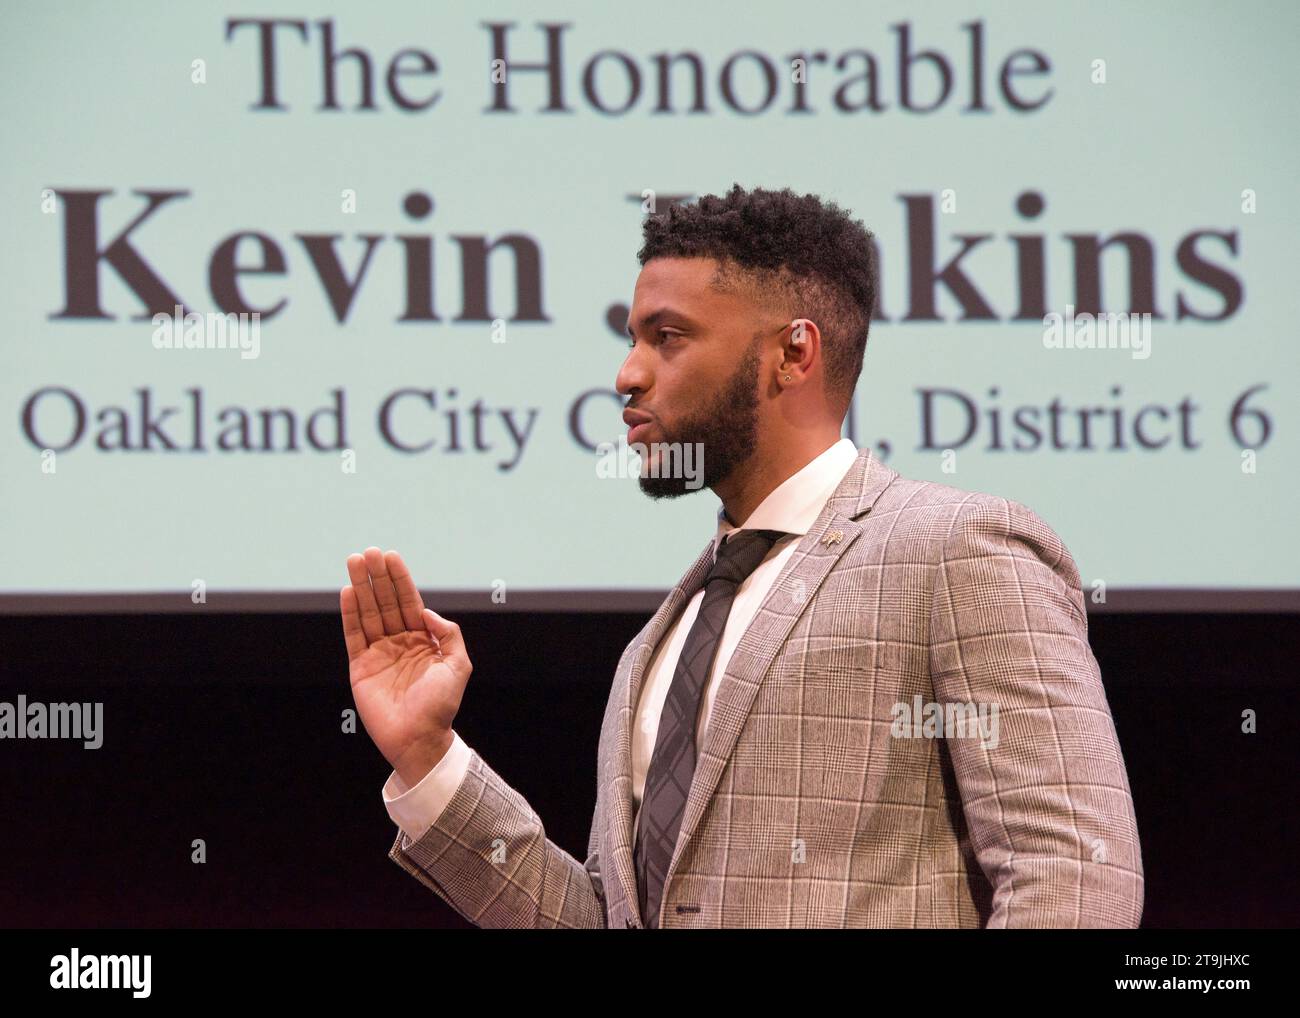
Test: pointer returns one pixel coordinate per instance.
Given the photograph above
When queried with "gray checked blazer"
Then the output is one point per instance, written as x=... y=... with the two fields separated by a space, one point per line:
x=812 y=804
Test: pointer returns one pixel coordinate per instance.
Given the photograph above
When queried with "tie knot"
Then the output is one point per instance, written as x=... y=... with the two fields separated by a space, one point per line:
x=740 y=554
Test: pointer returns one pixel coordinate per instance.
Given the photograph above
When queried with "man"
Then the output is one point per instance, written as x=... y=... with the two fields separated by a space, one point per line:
x=869 y=702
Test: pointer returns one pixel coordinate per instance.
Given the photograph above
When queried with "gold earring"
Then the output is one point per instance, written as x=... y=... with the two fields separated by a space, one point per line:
x=787 y=378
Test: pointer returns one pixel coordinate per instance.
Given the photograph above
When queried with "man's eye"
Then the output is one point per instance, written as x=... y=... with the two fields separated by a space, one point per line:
x=662 y=334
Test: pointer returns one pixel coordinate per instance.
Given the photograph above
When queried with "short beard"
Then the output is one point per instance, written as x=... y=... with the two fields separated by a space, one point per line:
x=726 y=432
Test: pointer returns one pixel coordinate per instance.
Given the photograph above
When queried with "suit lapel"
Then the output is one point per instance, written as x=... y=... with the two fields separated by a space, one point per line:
x=815 y=556
x=619 y=776
x=668 y=612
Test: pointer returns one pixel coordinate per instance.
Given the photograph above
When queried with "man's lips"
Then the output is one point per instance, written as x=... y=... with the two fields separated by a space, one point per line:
x=638 y=424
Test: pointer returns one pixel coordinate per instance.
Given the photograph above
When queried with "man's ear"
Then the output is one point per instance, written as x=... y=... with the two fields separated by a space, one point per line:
x=804 y=337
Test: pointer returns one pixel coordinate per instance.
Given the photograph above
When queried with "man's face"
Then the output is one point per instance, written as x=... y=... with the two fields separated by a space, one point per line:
x=693 y=371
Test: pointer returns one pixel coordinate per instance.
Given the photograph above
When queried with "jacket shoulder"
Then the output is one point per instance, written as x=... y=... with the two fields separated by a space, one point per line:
x=955 y=522
x=935 y=507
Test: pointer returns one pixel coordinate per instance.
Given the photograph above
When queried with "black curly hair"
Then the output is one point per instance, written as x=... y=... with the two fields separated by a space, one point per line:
x=799 y=257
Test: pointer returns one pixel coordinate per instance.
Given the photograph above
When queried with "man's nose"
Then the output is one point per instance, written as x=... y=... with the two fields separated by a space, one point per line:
x=633 y=375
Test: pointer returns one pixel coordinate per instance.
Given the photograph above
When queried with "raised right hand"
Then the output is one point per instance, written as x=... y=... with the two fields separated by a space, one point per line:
x=408 y=665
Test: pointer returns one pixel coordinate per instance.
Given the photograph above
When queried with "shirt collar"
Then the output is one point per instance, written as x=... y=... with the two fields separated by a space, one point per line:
x=794 y=505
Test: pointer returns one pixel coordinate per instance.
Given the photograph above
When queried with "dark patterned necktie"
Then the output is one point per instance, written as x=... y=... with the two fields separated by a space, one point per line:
x=672 y=764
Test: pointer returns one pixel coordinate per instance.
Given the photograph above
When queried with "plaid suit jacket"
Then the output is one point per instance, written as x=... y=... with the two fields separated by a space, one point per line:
x=812 y=804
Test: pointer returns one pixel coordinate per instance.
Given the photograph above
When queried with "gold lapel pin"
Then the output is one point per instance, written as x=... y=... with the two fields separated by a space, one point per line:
x=833 y=537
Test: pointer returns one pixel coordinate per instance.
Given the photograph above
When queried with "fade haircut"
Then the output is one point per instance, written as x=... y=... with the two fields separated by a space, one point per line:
x=792 y=256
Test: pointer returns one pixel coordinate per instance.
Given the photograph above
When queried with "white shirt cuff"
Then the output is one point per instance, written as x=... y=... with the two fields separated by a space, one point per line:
x=415 y=809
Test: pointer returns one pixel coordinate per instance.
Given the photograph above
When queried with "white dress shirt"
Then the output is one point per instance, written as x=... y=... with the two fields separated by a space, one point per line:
x=792 y=506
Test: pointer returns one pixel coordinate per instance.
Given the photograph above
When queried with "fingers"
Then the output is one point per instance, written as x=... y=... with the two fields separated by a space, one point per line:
x=408 y=596
x=353 y=635
x=385 y=592
x=371 y=622
x=384 y=601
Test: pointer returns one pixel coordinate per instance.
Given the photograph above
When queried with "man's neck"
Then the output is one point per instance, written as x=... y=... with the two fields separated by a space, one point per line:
x=744 y=490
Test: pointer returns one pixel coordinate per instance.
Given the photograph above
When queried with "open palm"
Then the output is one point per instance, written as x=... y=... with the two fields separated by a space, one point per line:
x=408 y=665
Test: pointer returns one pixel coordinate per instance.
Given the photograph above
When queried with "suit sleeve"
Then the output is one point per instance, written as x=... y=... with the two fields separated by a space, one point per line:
x=488 y=857
x=1047 y=801
x=415 y=808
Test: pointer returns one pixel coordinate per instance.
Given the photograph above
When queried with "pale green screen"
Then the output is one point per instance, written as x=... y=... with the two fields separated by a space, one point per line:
x=1174 y=123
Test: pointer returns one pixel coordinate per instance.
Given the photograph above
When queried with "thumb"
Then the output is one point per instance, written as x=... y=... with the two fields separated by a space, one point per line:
x=445 y=634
